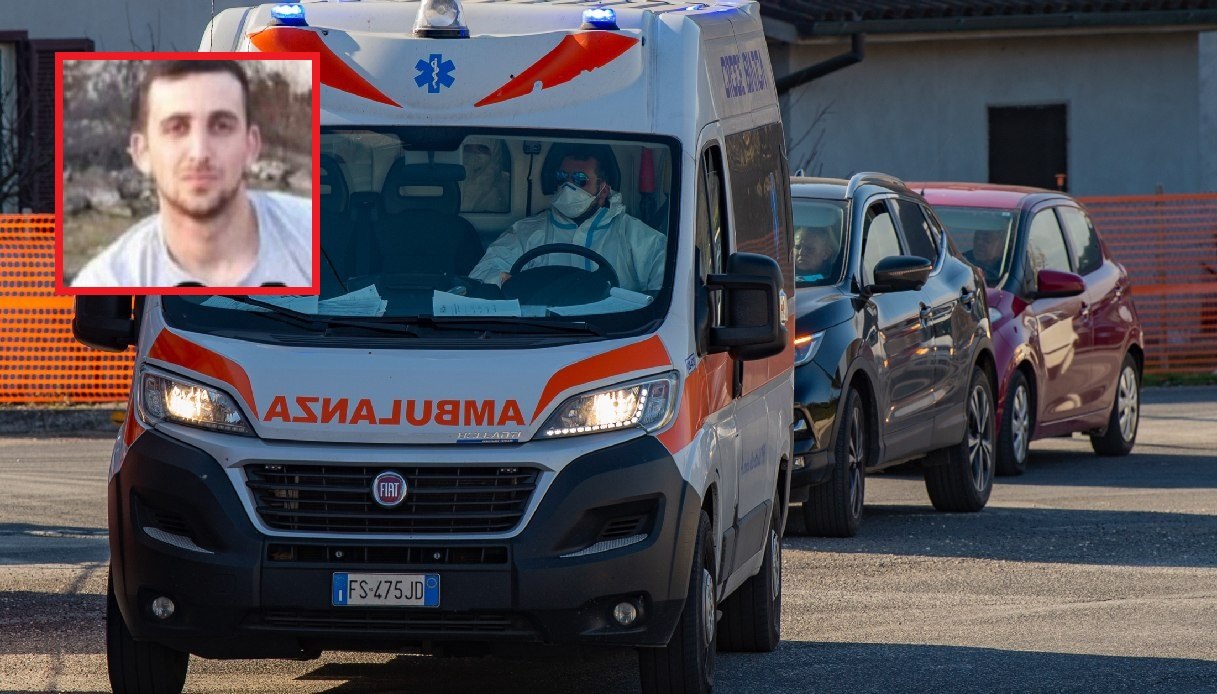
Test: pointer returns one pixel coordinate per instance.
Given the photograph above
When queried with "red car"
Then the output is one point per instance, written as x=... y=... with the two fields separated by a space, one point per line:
x=1066 y=336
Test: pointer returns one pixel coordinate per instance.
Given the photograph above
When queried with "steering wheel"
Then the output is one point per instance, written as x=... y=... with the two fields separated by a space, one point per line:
x=560 y=285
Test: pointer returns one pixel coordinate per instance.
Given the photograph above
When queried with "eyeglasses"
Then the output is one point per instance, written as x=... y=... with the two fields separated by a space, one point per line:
x=577 y=177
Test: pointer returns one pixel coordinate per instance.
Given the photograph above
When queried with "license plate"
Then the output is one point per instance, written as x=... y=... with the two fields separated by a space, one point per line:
x=391 y=590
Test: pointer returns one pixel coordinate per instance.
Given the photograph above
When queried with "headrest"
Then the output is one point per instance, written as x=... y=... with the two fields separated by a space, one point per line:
x=334 y=191
x=426 y=186
x=559 y=151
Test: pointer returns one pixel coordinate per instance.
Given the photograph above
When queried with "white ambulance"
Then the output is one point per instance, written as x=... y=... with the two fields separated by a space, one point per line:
x=544 y=394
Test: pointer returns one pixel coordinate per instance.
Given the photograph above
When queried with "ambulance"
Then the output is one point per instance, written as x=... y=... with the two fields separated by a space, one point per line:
x=544 y=395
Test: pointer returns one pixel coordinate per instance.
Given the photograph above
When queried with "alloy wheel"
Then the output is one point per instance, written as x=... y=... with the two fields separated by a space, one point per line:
x=980 y=438
x=1020 y=422
x=857 y=443
x=1128 y=403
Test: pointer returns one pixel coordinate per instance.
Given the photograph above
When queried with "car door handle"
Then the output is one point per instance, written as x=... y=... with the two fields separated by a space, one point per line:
x=968 y=298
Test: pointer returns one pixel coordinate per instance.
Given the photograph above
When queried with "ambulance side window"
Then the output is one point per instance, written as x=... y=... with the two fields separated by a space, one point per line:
x=711 y=223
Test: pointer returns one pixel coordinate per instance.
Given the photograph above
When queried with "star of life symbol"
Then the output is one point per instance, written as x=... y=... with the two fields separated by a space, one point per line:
x=434 y=73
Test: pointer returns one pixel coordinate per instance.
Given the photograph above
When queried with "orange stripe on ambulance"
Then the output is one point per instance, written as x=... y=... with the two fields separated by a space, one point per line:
x=451 y=413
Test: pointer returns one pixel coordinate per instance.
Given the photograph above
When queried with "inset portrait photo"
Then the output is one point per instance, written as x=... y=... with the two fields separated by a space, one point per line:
x=187 y=173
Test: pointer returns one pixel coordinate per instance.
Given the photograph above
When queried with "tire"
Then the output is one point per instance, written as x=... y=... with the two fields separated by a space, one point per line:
x=139 y=667
x=1017 y=425
x=752 y=615
x=834 y=507
x=1121 y=433
x=960 y=477
x=686 y=664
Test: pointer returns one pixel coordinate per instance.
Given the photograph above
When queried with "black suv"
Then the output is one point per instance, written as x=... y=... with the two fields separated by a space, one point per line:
x=893 y=357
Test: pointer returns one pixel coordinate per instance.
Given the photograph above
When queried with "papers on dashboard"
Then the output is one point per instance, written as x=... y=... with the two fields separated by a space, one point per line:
x=617 y=301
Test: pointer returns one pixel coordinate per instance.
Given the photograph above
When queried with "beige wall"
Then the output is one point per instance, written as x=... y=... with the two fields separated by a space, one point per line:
x=918 y=110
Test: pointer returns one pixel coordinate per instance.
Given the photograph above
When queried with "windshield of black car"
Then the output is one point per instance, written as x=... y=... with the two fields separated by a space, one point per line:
x=433 y=223
x=819 y=239
x=985 y=236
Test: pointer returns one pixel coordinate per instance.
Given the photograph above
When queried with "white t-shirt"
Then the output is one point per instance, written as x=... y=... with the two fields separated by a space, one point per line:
x=139 y=258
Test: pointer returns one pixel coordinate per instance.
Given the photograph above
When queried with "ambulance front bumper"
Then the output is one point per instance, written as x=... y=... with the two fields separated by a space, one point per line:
x=178 y=530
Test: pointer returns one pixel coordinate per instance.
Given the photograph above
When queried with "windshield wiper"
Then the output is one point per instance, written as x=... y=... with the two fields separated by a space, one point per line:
x=321 y=323
x=507 y=324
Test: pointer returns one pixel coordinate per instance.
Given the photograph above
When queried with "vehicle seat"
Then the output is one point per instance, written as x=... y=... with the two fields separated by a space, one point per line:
x=422 y=229
x=335 y=218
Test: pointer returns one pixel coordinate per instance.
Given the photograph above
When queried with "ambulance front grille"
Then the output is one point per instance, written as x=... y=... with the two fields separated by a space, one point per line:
x=439 y=500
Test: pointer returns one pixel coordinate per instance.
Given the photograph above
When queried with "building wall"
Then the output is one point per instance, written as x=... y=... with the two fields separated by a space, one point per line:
x=117 y=25
x=1207 y=103
x=918 y=109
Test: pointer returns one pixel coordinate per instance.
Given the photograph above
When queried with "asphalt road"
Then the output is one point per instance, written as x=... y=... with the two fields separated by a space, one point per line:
x=1084 y=575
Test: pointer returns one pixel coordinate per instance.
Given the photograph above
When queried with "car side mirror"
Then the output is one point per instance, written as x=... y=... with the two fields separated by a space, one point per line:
x=752 y=322
x=1055 y=284
x=900 y=273
x=104 y=322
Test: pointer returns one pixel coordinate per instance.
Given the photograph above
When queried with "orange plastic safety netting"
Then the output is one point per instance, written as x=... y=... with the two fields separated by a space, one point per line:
x=1169 y=245
x=40 y=362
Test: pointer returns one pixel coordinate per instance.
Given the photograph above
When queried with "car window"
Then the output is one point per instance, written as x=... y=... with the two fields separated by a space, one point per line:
x=879 y=240
x=819 y=241
x=918 y=233
x=1087 y=253
x=984 y=236
x=1045 y=246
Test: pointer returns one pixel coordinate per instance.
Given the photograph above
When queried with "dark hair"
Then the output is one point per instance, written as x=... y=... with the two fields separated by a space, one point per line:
x=176 y=69
x=606 y=163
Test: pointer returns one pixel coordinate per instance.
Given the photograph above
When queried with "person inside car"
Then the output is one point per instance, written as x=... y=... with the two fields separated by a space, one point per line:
x=815 y=253
x=584 y=211
x=988 y=247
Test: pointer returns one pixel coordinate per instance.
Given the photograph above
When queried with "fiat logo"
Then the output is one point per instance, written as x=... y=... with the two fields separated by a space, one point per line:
x=389 y=489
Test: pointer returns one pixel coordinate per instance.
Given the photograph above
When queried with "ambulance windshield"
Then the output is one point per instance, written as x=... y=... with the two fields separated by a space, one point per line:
x=436 y=223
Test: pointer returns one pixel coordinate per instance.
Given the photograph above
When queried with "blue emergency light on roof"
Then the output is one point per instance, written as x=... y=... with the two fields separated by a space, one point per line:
x=441 y=19
x=289 y=14
x=600 y=18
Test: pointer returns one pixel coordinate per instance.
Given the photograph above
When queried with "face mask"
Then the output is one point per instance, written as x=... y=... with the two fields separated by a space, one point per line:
x=572 y=201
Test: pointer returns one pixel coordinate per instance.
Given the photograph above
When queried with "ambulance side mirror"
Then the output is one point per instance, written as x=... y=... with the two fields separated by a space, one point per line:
x=752 y=325
x=104 y=322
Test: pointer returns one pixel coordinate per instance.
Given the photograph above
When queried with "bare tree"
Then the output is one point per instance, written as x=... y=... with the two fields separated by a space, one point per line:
x=20 y=158
x=815 y=130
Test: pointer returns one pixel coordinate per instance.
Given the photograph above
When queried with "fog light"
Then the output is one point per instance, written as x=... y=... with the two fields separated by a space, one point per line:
x=162 y=608
x=625 y=613
x=799 y=462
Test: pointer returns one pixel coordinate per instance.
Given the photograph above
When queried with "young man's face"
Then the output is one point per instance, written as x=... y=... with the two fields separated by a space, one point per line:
x=196 y=144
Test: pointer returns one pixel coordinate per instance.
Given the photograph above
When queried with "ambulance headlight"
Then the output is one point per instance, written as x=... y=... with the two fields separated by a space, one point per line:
x=441 y=19
x=175 y=399
x=289 y=14
x=648 y=403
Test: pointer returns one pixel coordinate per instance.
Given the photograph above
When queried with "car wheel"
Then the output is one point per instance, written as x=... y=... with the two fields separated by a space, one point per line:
x=139 y=667
x=1017 y=423
x=752 y=615
x=960 y=477
x=834 y=507
x=686 y=663
x=1121 y=432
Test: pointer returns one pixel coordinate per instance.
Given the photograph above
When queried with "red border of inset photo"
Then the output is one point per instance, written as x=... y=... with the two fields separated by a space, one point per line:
x=62 y=289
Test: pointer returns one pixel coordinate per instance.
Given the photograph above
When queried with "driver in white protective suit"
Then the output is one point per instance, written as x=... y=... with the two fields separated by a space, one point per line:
x=586 y=212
